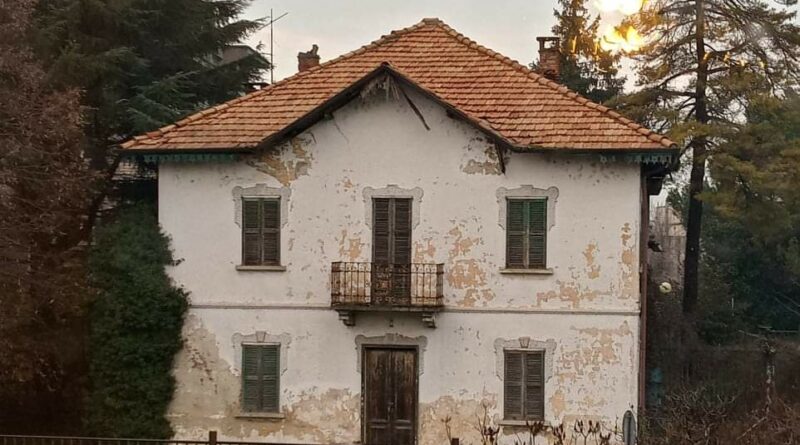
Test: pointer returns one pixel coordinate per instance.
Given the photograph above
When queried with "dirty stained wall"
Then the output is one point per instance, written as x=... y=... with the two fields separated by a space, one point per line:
x=586 y=304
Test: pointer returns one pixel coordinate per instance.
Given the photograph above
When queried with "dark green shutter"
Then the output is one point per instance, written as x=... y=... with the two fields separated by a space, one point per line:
x=537 y=233
x=526 y=233
x=515 y=234
x=271 y=231
x=261 y=229
x=251 y=232
x=534 y=385
x=513 y=386
x=260 y=378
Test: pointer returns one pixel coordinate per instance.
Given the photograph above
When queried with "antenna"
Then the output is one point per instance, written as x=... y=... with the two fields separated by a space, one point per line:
x=271 y=44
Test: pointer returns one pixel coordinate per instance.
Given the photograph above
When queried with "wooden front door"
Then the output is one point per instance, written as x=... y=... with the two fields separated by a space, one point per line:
x=391 y=251
x=390 y=396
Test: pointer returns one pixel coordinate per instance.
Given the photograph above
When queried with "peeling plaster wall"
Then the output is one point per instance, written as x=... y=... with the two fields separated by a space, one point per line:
x=588 y=305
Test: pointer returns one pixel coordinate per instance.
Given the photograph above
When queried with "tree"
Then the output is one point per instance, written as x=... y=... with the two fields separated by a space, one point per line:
x=142 y=64
x=702 y=60
x=136 y=328
x=43 y=201
x=585 y=67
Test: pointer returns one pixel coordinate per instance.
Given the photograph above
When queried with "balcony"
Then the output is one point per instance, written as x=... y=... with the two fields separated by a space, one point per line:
x=416 y=287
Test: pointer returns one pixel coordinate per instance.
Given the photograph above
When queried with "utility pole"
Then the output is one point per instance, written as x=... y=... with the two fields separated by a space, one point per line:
x=272 y=20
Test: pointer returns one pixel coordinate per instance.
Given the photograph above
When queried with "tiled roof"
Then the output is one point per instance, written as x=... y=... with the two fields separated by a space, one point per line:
x=523 y=107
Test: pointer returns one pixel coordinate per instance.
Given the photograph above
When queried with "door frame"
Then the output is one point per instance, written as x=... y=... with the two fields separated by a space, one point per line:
x=363 y=352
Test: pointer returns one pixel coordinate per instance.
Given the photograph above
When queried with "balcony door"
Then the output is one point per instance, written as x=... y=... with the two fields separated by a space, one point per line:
x=391 y=251
x=390 y=396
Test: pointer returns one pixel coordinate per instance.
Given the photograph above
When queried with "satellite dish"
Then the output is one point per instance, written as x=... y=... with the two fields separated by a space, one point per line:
x=629 y=428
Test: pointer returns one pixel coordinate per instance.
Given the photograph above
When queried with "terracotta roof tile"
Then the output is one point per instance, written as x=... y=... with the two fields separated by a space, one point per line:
x=521 y=106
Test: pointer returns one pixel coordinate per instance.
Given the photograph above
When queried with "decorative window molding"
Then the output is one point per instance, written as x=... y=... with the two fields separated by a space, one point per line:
x=421 y=343
x=262 y=338
x=527 y=192
x=393 y=191
x=261 y=191
x=524 y=344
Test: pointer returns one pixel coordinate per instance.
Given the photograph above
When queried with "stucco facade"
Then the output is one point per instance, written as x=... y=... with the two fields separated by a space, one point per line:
x=583 y=312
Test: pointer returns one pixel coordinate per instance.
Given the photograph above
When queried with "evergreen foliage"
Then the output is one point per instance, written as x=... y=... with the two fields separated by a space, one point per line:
x=585 y=67
x=703 y=61
x=136 y=323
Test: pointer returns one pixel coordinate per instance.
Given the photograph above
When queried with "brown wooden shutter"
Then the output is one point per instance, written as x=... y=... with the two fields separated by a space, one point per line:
x=537 y=233
x=513 y=386
x=401 y=232
x=515 y=233
x=271 y=231
x=270 y=367
x=534 y=385
x=251 y=381
x=251 y=232
x=381 y=246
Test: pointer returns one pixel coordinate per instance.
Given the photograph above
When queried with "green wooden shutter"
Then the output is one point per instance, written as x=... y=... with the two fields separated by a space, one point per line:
x=537 y=233
x=251 y=232
x=381 y=248
x=251 y=378
x=271 y=231
x=261 y=378
x=270 y=366
x=513 y=385
x=515 y=233
x=534 y=385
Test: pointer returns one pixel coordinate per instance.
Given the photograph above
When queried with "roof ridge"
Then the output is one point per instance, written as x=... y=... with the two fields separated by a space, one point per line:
x=218 y=108
x=560 y=88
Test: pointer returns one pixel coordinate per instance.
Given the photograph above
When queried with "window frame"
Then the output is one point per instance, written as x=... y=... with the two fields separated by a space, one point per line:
x=527 y=233
x=262 y=230
x=525 y=416
x=259 y=409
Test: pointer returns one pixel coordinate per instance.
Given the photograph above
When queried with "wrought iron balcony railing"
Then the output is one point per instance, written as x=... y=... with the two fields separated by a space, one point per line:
x=398 y=286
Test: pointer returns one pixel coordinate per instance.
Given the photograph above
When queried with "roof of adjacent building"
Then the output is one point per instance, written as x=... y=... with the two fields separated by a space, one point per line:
x=502 y=96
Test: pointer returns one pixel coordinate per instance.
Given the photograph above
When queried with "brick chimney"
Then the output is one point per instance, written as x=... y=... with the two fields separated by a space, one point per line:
x=308 y=59
x=549 y=57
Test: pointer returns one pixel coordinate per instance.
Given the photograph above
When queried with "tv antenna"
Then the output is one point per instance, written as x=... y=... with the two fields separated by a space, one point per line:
x=272 y=20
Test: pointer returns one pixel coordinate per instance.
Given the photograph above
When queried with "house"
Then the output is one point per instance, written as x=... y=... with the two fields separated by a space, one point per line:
x=384 y=245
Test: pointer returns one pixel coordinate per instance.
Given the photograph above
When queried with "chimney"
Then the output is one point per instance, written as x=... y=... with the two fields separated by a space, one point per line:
x=309 y=59
x=549 y=57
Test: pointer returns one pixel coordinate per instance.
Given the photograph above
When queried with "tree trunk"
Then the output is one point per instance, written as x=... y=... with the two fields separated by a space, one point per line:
x=697 y=178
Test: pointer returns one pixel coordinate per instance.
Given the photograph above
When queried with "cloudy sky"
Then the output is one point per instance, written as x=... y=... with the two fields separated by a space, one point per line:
x=338 y=26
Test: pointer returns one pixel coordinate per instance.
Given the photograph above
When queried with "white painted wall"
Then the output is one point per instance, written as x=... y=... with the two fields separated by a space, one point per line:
x=588 y=306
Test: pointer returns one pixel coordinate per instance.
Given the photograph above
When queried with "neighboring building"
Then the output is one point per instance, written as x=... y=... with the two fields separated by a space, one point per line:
x=407 y=233
x=666 y=264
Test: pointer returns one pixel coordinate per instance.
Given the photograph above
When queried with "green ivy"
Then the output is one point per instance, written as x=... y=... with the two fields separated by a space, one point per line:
x=135 y=332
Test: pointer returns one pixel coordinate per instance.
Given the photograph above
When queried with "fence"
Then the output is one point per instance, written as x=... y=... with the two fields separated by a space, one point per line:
x=68 y=440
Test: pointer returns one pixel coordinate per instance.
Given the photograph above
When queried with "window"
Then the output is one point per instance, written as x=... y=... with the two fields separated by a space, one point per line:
x=261 y=231
x=391 y=236
x=260 y=382
x=523 y=385
x=526 y=233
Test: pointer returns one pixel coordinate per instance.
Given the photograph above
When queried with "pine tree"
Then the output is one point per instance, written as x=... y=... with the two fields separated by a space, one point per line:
x=703 y=58
x=585 y=67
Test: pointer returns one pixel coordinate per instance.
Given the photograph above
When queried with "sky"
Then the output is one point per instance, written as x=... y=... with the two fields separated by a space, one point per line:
x=339 y=26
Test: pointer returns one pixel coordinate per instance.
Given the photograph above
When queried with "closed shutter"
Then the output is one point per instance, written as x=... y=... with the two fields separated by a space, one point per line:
x=381 y=249
x=260 y=378
x=261 y=230
x=537 y=233
x=402 y=231
x=251 y=232
x=526 y=233
x=271 y=231
x=534 y=385
x=513 y=386
x=523 y=385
